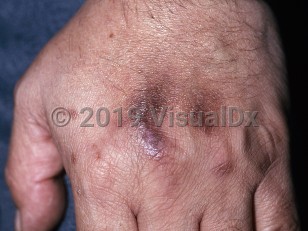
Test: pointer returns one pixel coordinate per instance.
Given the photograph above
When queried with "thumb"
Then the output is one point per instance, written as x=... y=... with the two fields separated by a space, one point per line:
x=34 y=167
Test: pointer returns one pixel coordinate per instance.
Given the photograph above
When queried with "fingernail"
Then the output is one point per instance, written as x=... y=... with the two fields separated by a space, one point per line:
x=17 y=221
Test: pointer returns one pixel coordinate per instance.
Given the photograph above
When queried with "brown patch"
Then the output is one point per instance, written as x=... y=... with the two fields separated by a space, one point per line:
x=223 y=169
x=97 y=155
x=111 y=35
x=158 y=92
x=96 y=152
x=73 y=158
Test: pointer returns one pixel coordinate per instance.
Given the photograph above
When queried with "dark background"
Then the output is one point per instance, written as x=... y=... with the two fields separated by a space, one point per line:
x=25 y=26
x=292 y=18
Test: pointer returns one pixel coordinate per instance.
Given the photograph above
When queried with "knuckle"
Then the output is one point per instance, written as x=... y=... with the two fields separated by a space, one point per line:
x=263 y=146
x=286 y=226
x=233 y=225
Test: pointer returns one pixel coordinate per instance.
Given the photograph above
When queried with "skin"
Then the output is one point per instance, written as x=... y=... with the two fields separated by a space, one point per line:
x=191 y=55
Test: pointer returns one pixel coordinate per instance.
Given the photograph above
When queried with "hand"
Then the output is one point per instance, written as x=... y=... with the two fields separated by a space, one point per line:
x=151 y=57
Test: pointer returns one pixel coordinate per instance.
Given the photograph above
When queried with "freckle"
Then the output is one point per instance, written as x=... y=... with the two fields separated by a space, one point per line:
x=73 y=113
x=98 y=155
x=73 y=158
x=96 y=151
x=111 y=35
x=94 y=147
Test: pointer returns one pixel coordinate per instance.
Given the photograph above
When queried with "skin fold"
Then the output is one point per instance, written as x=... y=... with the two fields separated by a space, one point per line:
x=186 y=56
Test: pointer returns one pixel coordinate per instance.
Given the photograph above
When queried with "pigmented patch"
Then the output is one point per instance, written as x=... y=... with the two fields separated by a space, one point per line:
x=73 y=158
x=96 y=152
x=155 y=97
x=111 y=35
x=223 y=169
x=97 y=155
x=149 y=103
x=152 y=141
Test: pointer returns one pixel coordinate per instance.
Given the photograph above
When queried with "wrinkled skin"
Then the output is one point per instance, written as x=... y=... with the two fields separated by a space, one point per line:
x=189 y=55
